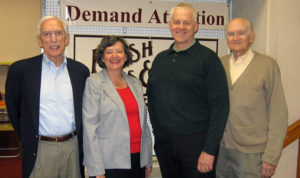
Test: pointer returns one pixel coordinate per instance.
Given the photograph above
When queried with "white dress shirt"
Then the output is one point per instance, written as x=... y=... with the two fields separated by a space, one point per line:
x=238 y=66
x=56 y=100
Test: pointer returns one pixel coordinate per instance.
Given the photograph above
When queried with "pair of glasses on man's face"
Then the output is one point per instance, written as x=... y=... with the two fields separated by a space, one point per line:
x=56 y=33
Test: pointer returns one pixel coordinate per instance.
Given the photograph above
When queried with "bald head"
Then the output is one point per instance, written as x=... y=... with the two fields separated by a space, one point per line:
x=246 y=23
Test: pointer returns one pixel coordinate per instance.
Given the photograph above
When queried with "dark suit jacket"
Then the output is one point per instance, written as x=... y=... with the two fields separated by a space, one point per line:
x=23 y=85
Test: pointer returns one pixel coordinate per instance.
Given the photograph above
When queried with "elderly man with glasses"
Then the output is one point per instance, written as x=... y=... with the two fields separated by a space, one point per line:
x=44 y=102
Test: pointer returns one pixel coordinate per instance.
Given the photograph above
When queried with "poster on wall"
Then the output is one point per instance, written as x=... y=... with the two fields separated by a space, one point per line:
x=143 y=49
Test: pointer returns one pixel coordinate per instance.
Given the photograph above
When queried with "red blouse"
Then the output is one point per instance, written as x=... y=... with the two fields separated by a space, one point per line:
x=132 y=111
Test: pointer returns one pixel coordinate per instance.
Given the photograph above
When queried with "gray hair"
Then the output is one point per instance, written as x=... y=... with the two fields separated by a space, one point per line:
x=45 y=18
x=185 y=6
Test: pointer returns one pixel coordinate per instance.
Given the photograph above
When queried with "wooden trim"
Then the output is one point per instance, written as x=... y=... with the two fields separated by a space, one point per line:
x=298 y=161
x=293 y=133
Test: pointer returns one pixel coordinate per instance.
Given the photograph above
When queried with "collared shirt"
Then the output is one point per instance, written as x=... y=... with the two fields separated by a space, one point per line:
x=238 y=66
x=177 y=50
x=56 y=100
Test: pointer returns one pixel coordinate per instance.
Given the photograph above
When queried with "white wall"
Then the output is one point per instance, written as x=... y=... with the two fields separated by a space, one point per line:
x=284 y=39
x=277 y=27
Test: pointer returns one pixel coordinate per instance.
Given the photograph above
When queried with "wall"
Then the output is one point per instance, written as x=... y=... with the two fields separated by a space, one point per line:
x=18 y=31
x=284 y=38
x=276 y=24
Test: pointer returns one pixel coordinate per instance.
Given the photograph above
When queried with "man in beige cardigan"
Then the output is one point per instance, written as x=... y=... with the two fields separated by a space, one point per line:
x=257 y=122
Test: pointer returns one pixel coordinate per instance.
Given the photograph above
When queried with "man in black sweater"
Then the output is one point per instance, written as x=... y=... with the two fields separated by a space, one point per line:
x=188 y=101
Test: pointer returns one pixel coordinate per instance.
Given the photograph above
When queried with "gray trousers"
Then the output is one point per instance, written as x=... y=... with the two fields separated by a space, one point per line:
x=234 y=164
x=57 y=160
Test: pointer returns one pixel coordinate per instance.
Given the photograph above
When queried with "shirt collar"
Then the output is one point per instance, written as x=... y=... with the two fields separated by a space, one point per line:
x=184 y=48
x=242 y=58
x=48 y=62
x=188 y=50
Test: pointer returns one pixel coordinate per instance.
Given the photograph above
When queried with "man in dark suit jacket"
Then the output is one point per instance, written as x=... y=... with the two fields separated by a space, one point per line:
x=44 y=103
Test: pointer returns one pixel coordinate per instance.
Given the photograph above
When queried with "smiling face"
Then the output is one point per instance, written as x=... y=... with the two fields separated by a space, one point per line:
x=53 y=39
x=239 y=36
x=183 y=27
x=114 y=57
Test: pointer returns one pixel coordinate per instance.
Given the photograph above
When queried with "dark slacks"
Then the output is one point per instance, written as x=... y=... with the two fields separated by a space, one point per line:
x=135 y=172
x=178 y=155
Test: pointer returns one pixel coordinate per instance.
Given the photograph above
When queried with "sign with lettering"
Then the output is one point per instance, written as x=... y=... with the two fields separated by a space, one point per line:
x=143 y=49
x=138 y=13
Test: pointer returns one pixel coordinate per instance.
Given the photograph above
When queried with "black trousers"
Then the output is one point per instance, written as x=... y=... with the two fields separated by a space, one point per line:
x=135 y=172
x=178 y=155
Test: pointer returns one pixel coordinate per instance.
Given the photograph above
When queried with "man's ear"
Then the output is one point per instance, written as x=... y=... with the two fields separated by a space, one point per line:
x=252 y=37
x=196 y=27
x=67 y=38
x=39 y=41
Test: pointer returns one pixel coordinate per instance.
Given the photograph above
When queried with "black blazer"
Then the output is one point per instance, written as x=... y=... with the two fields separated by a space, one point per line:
x=22 y=98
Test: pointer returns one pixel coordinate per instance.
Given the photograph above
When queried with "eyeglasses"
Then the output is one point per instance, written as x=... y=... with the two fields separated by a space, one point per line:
x=57 y=33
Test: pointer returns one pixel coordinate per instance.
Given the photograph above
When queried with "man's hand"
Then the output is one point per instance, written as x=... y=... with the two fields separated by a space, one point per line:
x=148 y=171
x=267 y=170
x=205 y=162
x=101 y=176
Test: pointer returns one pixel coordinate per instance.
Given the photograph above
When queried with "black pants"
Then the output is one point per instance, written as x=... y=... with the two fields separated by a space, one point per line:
x=135 y=172
x=178 y=155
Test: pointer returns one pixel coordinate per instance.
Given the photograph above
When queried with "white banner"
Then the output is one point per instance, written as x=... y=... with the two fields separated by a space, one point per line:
x=138 y=13
x=143 y=49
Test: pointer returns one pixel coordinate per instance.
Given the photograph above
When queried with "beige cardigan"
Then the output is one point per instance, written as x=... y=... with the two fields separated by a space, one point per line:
x=258 y=115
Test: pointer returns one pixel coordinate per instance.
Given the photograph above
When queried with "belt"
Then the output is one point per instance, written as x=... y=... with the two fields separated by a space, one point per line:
x=59 y=138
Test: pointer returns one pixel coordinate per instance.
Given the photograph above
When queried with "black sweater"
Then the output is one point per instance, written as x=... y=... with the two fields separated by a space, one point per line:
x=187 y=93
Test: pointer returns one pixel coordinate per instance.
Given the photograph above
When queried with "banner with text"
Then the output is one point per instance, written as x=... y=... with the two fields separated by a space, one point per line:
x=138 y=13
x=143 y=49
